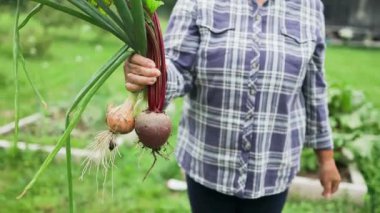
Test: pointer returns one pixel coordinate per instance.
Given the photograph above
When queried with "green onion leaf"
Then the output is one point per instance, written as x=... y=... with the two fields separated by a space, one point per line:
x=110 y=13
x=36 y=92
x=152 y=5
x=82 y=102
x=33 y=12
x=126 y=16
x=16 y=49
x=96 y=15
x=137 y=11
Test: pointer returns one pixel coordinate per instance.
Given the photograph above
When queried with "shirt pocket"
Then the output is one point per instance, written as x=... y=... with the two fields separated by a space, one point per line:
x=213 y=64
x=299 y=44
x=299 y=34
x=216 y=26
x=216 y=29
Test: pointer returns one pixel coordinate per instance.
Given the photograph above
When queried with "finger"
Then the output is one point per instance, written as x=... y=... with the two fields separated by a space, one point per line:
x=335 y=186
x=133 y=87
x=326 y=189
x=142 y=61
x=147 y=72
x=140 y=80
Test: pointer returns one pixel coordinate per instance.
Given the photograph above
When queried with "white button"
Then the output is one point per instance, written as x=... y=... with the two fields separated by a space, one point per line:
x=255 y=66
x=247 y=146
x=248 y=116
x=258 y=18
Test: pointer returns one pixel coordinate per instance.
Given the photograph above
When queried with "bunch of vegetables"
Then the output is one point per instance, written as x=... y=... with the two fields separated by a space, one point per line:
x=135 y=22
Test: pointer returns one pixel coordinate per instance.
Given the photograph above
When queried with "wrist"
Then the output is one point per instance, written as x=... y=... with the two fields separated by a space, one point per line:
x=325 y=156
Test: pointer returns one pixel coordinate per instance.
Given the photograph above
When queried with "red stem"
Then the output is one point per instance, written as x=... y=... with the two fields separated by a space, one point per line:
x=156 y=52
x=150 y=55
x=163 y=64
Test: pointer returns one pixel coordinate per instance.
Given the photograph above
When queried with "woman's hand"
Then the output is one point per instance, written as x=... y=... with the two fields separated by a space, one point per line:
x=139 y=72
x=328 y=172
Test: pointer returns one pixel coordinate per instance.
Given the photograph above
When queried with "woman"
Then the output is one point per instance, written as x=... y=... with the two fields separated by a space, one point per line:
x=253 y=79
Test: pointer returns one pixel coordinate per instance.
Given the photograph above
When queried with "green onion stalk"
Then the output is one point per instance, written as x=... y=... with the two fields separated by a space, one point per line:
x=134 y=22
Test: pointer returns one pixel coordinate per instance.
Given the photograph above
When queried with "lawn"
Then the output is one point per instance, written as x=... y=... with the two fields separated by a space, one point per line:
x=358 y=67
x=130 y=193
x=60 y=75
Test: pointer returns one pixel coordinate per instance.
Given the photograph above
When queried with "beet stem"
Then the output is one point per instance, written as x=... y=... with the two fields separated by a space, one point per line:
x=156 y=52
x=162 y=89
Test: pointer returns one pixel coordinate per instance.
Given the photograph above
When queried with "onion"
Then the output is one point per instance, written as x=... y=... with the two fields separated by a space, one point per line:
x=103 y=151
x=120 y=119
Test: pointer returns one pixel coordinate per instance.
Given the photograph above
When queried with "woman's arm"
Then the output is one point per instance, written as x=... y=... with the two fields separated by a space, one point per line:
x=314 y=89
x=181 y=45
x=318 y=129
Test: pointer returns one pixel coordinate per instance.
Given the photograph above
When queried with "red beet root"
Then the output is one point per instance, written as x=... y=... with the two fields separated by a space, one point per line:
x=153 y=129
x=153 y=126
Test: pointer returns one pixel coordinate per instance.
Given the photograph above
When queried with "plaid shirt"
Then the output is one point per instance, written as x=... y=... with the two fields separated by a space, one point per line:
x=254 y=87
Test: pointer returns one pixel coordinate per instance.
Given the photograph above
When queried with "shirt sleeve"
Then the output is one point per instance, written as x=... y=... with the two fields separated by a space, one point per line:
x=181 y=45
x=318 y=129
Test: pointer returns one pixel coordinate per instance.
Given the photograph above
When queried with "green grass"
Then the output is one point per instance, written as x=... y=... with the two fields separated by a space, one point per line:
x=298 y=205
x=59 y=76
x=62 y=73
x=131 y=194
x=358 y=67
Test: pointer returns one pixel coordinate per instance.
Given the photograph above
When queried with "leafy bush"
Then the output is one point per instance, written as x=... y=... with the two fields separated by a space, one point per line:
x=356 y=126
x=53 y=18
x=35 y=41
x=370 y=167
x=349 y=111
x=352 y=118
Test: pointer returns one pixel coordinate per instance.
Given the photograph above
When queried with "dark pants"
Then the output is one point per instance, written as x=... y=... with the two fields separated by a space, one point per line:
x=205 y=200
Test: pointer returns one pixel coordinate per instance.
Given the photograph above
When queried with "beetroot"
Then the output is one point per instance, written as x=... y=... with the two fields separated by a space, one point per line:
x=153 y=129
x=153 y=126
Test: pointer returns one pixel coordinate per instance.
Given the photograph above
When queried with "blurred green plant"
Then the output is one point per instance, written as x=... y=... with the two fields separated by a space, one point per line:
x=350 y=111
x=356 y=127
x=4 y=80
x=35 y=41
x=370 y=166
x=352 y=118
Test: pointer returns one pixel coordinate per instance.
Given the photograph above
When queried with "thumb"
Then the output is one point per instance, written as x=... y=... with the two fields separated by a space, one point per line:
x=327 y=185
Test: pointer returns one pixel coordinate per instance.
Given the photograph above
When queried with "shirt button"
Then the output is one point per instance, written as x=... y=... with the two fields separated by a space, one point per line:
x=249 y=116
x=252 y=91
x=258 y=18
x=255 y=66
x=247 y=146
